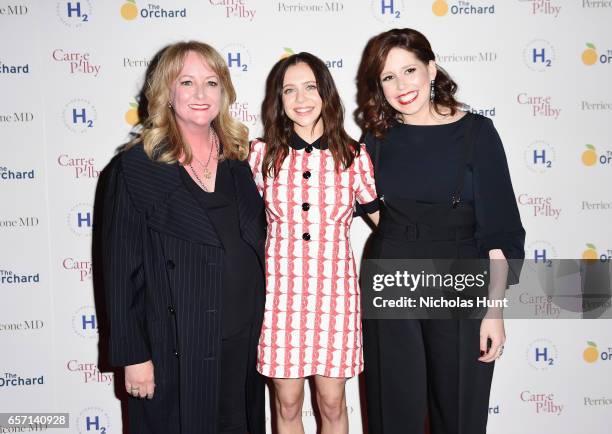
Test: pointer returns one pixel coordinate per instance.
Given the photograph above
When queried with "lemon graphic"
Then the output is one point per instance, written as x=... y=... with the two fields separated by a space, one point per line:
x=440 y=8
x=590 y=254
x=589 y=157
x=590 y=354
x=286 y=53
x=589 y=56
x=129 y=11
x=131 y=116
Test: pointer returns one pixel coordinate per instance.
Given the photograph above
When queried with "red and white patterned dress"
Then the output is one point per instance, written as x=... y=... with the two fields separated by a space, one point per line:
x=312 y=319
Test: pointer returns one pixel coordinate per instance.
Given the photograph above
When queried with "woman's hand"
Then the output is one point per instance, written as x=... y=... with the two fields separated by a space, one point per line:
x=491 y=328
x=139 y=380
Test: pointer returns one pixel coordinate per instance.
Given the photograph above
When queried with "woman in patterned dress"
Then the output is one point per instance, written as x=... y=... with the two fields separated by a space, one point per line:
x=310 y=174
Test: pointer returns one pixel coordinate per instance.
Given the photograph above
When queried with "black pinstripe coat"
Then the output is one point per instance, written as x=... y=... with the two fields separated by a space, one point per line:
x=163 y=272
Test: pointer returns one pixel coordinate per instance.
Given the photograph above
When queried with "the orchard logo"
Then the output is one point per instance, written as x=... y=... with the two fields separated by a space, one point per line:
x=129 y=10
x=590 y=56
x=440 y=8
x=591 y=254
x=286 y=53
x=592 y=353
x=131 y=115
x=590 y=157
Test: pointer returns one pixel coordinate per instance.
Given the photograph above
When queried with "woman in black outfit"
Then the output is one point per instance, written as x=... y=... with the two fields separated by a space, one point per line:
x=183 y=256
x=445 y=191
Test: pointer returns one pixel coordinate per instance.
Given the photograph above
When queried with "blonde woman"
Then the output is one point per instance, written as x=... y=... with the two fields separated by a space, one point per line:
x=181 y=213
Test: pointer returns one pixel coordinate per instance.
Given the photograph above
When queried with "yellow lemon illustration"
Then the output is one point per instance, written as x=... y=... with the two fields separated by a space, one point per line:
x=589 y=157
x=286 y=53
x=129 y=11
x=590 y=354
x=590 y=254
x=589 y=56
x=440 y=7
x=131 y=116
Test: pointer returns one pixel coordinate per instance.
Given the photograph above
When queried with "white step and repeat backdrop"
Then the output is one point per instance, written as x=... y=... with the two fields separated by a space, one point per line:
x=69 y=73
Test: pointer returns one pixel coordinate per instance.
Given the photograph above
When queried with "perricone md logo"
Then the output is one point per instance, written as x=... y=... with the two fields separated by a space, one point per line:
x=12 y=69
x=238 y=59
x=78 y=62
x=93 y=420
x=18 y=326
x=542 y=402
x=80 y=219
x=540 y=156
x=472 y=57
x=9 y=380
x=312 y=7
x=78 y=167
x=19 y=222
x=89 y=372
x=80 y=268
x=13 y=10
x=85 y=322
x=543 y=7
x=80 y=116
x=9 y=277
x=388 y=11
x=16 y=118
x=539 y=105
x=74 y=13
x=441 y=8
x=10 y=174
x=241 y=9
x=539 y=55
x=130 y=11
x=541 y=354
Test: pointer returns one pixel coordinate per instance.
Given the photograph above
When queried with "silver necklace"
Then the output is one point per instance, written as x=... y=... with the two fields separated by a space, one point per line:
x=198 y=178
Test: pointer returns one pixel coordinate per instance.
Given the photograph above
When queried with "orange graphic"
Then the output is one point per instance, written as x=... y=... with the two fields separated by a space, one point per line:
x=589 y=56
x=589 y=157
x=440 y=8
x=591 y=353
x=131 y=116
x=590 y=254
x=286 y=53
x=129 y=10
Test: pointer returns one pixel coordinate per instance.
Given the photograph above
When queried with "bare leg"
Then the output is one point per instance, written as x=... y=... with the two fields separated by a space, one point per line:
x=331 y=398
x=289 y=400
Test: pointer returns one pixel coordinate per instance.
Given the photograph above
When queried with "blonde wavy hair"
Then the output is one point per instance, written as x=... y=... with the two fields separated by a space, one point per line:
x=161 y=135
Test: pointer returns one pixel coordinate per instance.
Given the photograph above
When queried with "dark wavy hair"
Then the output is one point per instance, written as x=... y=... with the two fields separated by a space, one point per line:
x=374 y=114
x=278 y=127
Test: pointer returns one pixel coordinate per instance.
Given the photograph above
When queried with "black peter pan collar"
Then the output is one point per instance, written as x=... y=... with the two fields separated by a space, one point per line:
x=298 y=143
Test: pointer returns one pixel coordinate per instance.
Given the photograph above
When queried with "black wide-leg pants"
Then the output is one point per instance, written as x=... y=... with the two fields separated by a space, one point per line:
x=415 y=368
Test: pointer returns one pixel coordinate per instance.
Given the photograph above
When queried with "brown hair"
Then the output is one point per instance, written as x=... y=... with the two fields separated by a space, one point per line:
x=161 y=135
x=278 y=127
x=374 y=113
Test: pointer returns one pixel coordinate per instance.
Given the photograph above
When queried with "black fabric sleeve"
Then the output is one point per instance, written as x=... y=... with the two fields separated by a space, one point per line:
x=498 y=222
x=123 y=273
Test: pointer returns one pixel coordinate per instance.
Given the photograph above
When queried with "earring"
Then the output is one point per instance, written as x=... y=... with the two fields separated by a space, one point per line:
x=169 y=105
x=432 y=90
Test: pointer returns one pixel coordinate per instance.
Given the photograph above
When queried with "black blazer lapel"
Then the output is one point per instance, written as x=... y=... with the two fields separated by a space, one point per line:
x=159 y=192
x=250 y=207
